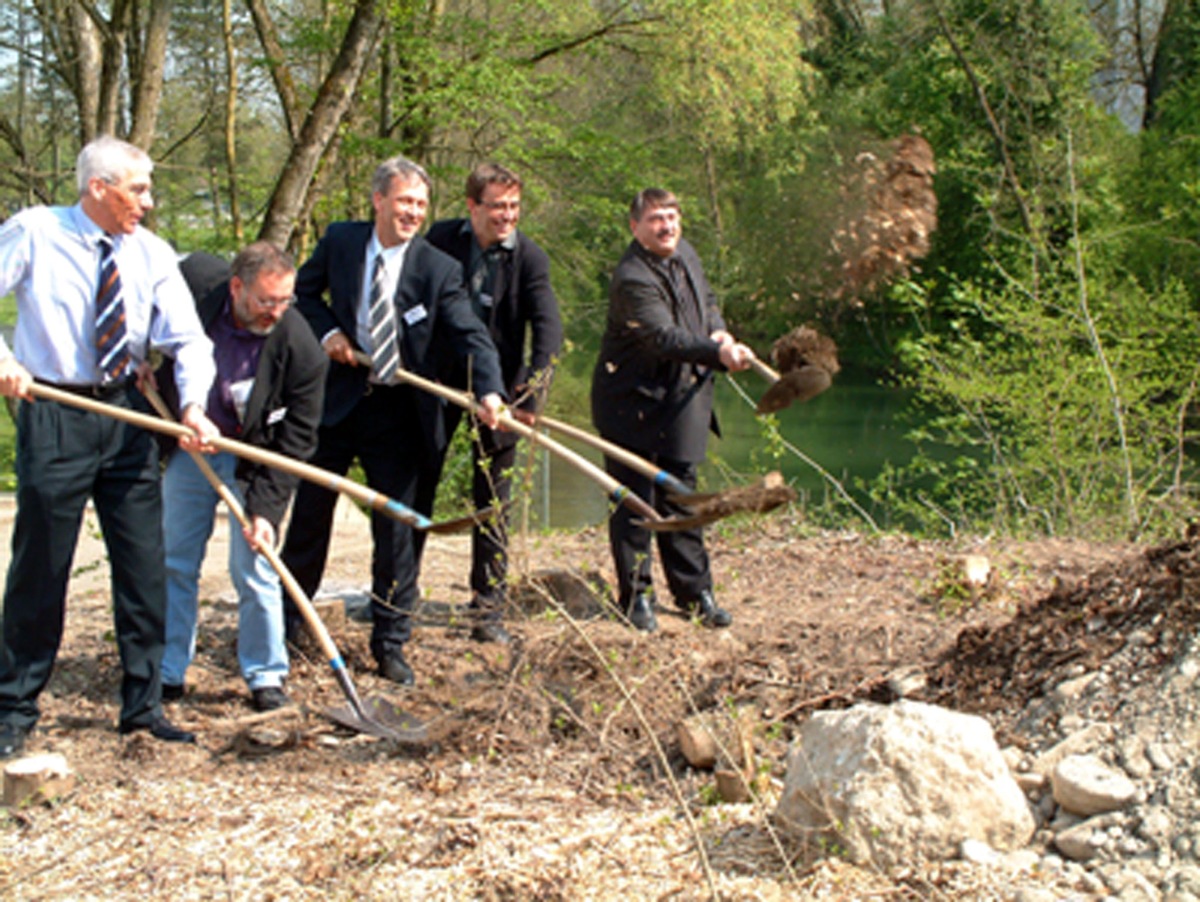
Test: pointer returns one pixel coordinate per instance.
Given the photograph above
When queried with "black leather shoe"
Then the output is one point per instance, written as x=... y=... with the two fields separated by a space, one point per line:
x=491 y=631
x=393 y=667
x=641 y=613
x=159 y=728
x=171 y=692
x=711 y=615
x=12 y=741
x=269 y=698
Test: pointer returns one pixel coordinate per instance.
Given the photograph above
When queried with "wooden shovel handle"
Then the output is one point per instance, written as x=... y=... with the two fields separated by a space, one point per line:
x=618 y=493
x=616 y=452
x=763 y=370
x=332 y=481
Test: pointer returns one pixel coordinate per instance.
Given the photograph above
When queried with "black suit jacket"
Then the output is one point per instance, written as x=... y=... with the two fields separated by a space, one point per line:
x=523 y=303
x=652 y=388
x=284 y=406
x=433 y=312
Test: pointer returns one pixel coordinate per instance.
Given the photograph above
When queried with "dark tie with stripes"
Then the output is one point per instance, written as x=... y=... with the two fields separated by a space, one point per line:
x=385 y=352
x=112 y=346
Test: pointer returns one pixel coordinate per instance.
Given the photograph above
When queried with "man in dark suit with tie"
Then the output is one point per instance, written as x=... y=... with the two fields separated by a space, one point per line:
x=508 y=278
x=652 y=392
x=381 y=289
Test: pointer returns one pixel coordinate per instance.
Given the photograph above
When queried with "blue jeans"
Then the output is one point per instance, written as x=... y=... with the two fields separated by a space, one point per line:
x=189 y=509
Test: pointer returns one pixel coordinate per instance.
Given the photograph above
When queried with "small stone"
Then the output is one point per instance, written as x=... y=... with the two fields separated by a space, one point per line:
x=1155 y=826
x=1022 y=861
x=1084 y=785
x=1079 y=843
x=1158 y=756
x=1071 y=723
x=1133 y=757
x=1086 y=740
x=1071 y=690
x=1031 y=782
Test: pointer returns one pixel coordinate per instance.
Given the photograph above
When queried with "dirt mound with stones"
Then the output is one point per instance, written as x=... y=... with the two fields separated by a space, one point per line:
x=1134 y=618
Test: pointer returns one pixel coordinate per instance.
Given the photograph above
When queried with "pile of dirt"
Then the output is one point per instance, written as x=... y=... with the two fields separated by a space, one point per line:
x=999 y=670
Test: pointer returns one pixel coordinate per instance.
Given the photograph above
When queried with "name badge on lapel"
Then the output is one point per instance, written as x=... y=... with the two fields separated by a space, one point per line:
x=414 y=315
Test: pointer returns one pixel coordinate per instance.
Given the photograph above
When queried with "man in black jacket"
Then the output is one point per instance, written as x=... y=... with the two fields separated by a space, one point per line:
x=380 y=289
x=652 y=392
x=268 y=393
x=508 y=277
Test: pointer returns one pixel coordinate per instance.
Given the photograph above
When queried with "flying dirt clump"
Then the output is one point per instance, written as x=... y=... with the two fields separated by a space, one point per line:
x=899 y=216
x=807 y=362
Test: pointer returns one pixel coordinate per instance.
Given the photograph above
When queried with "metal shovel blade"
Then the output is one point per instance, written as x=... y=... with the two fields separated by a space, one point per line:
x=380 y=718
x=797 y=385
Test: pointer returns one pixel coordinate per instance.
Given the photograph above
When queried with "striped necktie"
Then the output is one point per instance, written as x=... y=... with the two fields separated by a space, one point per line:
x=112 y=346
x=381 y=317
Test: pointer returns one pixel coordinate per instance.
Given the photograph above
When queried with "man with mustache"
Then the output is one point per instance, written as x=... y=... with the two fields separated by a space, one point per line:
x=652 y=393
x=268 y=393
x=381 y=289
x=95 y=294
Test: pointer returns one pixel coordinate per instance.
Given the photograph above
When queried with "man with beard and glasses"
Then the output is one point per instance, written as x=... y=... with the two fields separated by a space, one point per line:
x=268 y=393
x=95 y=293
x=381 y=290
x=652 y=393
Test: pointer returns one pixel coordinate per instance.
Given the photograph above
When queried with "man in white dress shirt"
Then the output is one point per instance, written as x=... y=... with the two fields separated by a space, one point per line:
x=85 y=325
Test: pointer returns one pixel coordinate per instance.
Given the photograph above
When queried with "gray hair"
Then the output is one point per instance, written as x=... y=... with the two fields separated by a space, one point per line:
x=259 y=257
x=398 y=167
x=109 y=159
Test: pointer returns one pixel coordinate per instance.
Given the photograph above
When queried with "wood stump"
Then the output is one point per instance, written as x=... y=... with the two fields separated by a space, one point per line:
x=37 y=778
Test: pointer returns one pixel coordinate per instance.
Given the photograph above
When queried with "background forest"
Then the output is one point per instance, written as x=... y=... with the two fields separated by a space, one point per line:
x=1050 y=330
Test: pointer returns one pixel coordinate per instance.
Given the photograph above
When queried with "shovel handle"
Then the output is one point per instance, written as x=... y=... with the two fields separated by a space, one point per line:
x=307 y=610
x=763 y=370
x=332 y=481
x=618 y=493
x=624 y=456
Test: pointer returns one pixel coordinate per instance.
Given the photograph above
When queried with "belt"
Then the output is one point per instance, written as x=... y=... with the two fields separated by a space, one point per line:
x=103 y=392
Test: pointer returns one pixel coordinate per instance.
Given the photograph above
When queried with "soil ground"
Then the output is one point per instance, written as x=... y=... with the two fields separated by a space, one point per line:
x=549 y=768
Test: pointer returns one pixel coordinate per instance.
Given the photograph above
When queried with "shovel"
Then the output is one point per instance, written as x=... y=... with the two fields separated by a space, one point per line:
x=767 y=494
x=808 y=360
x=378 y=717
x=619 y=494
x=332 y=481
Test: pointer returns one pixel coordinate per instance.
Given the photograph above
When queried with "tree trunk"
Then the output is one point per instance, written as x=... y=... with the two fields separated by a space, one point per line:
x=231 y=95
x=334 y=100
x=281 y=75
x=147 y=80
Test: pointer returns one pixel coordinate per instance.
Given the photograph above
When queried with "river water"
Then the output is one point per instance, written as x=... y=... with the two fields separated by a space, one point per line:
x=850 y=432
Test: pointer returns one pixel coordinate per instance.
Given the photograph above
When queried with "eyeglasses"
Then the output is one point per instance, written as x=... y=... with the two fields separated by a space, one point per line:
x=137 y=189
x=507 y=206
x=269 y=303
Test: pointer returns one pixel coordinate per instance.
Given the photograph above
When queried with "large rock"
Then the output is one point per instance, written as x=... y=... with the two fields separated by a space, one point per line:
x=890 y=784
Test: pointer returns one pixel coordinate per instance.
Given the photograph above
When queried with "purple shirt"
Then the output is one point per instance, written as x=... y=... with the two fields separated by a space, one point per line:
x=236 y=352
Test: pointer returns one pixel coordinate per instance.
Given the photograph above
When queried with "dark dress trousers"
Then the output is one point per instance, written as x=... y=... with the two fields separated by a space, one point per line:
x=523 y=306
x=396 y=432
x=652 y=393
